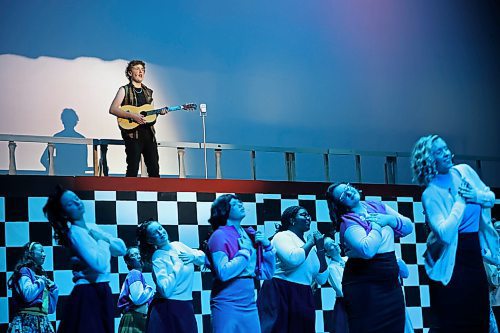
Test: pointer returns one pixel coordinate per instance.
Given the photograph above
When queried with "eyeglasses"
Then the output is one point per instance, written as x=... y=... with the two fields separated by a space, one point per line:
x=348 y=187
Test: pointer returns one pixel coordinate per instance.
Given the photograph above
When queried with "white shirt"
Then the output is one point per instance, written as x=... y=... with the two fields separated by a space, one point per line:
x=335 y=273
x=96 y=254
x=291 y=262
x=173 y=278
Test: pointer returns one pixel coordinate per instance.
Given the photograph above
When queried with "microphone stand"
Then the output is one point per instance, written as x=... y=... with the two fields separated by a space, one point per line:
x=203 y=114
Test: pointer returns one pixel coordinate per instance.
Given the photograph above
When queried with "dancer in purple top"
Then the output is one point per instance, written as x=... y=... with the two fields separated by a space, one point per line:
x=237 y=256
x=34 y=294
x=373 y=298
x=135 y=295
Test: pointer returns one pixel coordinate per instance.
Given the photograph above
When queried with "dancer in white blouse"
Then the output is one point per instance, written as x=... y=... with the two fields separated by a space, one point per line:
x=286 y=302
x=90 y=307
x=457 y=207
x=173 y=271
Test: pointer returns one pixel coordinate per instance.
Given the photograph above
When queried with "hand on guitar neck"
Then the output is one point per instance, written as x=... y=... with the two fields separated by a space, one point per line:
x=146 y=114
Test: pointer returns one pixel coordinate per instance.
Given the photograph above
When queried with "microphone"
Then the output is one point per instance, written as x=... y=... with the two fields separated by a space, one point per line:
x=203 y=110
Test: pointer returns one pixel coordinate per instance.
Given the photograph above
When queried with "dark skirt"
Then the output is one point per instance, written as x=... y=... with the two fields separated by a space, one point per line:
x=463 y=304
x=340 y=321
x=170 y=315
x=90 y=308
x=286 y=306
x=373 y=298
x=133 y=322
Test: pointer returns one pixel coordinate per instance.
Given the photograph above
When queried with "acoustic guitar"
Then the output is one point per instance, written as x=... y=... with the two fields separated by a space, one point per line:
x=150 y=114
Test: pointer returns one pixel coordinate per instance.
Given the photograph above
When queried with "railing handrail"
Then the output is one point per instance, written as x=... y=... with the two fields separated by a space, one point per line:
x=46 y=139
x=228 y=146
x=289 y=153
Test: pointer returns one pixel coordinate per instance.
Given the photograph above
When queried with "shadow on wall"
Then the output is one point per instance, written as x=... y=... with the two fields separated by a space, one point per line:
x=69 y=159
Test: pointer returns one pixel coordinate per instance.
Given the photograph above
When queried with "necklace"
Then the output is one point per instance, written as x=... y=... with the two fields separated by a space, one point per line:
x=138 y=91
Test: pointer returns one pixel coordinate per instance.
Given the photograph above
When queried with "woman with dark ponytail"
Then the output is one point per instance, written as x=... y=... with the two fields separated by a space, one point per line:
x=90 y=307
x=373 y=298
x=173 y=263
x=34 y=294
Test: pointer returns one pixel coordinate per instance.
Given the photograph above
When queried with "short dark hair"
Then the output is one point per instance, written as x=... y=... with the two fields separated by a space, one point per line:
x=126 y=257
x=219 y=212
x=132 y=64
x=287 y=216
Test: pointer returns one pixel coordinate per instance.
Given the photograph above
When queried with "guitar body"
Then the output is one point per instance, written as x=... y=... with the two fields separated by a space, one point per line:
x=150 y=114
x=129 y=124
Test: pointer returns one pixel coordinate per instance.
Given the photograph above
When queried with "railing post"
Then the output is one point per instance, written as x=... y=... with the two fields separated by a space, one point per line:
x=357 y=158
x=253 y=167
x=12 y=158
x=52 y=167
x=326 y=162
x=390 y=169
x=218 y=168
x=290 y=166
x=180 y=160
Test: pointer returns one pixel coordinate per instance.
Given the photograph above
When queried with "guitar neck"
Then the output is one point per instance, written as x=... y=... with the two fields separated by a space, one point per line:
x=158 y=111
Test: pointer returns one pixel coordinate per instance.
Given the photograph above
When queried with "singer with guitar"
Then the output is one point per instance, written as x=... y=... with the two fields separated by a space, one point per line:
x=141 y=139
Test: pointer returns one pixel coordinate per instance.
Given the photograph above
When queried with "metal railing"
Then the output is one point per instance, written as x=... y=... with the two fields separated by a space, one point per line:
x=100 y=146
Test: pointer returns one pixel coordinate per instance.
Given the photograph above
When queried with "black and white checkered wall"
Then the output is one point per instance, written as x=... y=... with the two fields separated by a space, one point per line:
x=184 y=214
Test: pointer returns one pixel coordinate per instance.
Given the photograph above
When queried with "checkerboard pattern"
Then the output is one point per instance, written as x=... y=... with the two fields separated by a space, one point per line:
x=184 y=215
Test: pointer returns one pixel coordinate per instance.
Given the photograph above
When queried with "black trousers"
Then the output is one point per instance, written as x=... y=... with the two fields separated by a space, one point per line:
x=144 y=144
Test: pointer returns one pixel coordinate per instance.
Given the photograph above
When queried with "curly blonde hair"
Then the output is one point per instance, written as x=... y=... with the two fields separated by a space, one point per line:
x=423 y=164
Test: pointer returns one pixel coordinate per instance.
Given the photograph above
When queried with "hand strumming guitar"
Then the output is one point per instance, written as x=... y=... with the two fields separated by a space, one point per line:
x=138 y=118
